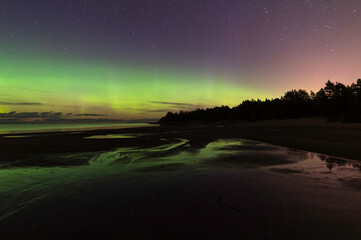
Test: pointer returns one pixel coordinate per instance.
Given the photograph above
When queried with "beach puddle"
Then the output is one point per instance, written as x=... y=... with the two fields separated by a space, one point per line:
x=110 y=136
x=22 y=187
x=237 y=153
x=19 y=136
x=38 y=135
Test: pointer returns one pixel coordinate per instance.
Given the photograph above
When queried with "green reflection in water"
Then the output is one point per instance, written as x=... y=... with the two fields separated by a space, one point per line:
x=110 y=136
x=19 y=136
x=211 y=150
x=21 y=187
x=130 y=155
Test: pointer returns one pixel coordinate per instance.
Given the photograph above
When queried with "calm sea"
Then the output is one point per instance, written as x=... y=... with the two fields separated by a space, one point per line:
x=34 y=128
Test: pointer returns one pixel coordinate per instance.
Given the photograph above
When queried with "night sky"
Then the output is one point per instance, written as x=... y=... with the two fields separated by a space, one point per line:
x=138 y=59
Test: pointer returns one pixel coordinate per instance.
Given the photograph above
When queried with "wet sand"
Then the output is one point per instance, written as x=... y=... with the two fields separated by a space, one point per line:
x=183 y=182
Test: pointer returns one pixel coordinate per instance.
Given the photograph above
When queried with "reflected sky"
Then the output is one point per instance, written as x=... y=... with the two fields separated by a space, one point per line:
x=110 y=136
x=19 y=136
x=22 y=187
x=64 y=127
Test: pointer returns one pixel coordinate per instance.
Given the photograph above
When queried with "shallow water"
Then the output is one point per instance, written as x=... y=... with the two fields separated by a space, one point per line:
x=64 y=127
x=22 y=187
x=19 y=136
x=110 y=136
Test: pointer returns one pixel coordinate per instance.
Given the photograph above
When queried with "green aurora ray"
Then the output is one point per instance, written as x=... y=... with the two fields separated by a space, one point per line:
x=117 y=90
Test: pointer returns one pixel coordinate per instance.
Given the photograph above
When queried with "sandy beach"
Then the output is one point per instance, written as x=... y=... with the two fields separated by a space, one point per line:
x=265 y=180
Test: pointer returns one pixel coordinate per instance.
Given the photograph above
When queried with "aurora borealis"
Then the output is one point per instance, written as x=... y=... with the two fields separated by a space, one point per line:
x=139 y=59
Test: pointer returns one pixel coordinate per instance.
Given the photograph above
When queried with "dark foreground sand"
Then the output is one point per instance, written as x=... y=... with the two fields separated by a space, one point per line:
x=184 y=182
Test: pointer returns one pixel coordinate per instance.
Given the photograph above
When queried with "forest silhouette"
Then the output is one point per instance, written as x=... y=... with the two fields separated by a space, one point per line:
x=335 y=101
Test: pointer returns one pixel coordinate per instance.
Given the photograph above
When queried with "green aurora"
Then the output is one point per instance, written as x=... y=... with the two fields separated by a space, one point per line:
x=39 y=83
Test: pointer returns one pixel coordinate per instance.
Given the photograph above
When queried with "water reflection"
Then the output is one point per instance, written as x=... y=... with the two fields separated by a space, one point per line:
x=237 y=153
x=38 y=135
x=65 y=127
x=21 y=187
x=131 y=155
x=110 y=136
x=18 y=136
x=332 y=162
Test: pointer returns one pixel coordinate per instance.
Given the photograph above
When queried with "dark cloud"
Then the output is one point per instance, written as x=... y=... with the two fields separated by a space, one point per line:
x=33 y=104
x=146 y=120
x=22 y=115
x=157 y=110
x=59 y=117
x=44 y=115
x=88 y=115
x=150 y=110
x=176 y=104
x=22 y=104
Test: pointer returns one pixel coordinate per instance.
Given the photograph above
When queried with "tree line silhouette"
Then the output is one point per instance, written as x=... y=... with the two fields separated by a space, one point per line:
x=335 y=101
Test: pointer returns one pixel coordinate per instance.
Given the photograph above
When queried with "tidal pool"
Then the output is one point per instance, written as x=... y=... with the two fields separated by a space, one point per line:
x=110 y=136
x=19 y=136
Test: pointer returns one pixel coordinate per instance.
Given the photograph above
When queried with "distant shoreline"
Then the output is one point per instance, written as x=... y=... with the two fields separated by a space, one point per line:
x=26 y=128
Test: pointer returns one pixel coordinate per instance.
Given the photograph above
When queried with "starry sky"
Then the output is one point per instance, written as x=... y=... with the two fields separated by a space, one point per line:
x=138 y=59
